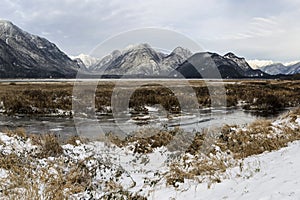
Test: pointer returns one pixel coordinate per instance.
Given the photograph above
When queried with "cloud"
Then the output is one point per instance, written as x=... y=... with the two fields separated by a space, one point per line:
x=252 y=28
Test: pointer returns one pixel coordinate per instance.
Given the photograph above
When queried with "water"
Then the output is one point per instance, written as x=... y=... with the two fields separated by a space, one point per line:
x=65 y=126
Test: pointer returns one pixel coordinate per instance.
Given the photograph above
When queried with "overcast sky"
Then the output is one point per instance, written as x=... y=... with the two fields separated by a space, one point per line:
x=255 y=29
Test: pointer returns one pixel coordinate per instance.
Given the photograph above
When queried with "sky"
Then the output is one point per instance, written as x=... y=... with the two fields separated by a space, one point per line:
x=254 y=29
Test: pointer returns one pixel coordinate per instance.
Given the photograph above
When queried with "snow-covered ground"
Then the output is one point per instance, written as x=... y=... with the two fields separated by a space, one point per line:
x=272 y=175
x=96 y=170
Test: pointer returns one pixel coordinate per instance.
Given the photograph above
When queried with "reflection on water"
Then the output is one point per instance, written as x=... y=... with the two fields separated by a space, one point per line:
x=65 y=126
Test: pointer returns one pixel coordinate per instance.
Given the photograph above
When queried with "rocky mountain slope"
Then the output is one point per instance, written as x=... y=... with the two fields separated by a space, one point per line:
x=23 y=55
x=141 y=59
x=212 y=65
x=279 y=68
x=274 y=69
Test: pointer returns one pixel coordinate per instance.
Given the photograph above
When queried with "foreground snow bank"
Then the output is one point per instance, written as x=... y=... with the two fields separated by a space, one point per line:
x=272 y=175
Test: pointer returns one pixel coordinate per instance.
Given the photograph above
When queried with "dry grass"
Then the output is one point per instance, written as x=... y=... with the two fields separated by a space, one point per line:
x=16 y=132
x=257 y=138
x=144 y=141
x=49 y=144
x=46 y=98
x=25 y=180
x=34 y=175
x=233 y=144
x=76 y=140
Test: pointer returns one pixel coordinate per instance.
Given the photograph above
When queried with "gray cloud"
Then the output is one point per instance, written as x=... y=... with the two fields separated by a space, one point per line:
x=251 y=28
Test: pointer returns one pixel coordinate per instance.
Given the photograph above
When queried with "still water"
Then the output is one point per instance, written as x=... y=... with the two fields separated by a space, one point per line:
x=65 y=126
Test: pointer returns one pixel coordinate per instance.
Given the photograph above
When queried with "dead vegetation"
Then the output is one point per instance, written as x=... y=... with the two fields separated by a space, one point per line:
x=45 y=172
x=231 y=145
x=41 y=98
x=145 y=141
x=257 y=138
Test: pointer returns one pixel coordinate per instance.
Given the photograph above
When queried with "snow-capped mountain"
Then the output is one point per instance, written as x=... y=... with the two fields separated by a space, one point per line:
x=294 y=69
x=23 y=55
x=212 y=65
x=80 y=63
x=177 y=56
x=241 y=62
x=275 y=68
x=279 y=68
x=256 y=64
x=99 y=66
x=87 y=60
x=141 y=59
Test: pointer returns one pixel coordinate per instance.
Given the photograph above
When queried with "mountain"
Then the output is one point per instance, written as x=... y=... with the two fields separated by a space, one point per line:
x=257 y=64
x=177 y=56
x=106 y=61
x=241 y=62
x=87 y=60
x=279 y=68
x=212 y=65
x=293 y=69
x=81 y=64
x=23 y=55
x=274 y=69
x=141 y=59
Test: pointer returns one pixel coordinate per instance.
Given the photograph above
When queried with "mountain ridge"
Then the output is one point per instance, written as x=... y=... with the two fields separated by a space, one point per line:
x=279 y=68
x=24 y=55
x=141 y=59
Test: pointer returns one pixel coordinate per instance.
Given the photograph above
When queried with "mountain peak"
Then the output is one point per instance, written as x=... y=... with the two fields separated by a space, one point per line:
x=137 y=46
x=86 y=59
x=231 y=55
x=25 y=55
x=182 y=52
x=6 y=26
x=5 y=22
x=239 y=60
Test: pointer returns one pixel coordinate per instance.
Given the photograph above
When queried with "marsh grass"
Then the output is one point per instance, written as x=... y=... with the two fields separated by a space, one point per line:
x=15 y=132
x=231 y=146
x=257 y=138
x=48 y=174
x=48 y=98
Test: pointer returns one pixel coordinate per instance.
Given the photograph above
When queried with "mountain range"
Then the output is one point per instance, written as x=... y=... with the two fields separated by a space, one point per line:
x=23 y=55
x=142 y=60
x=279 y=68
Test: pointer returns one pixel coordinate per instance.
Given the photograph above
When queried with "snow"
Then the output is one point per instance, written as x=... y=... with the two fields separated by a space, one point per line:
x=255 y=64
x=86 y=59
x=17 y=145
x=291 y=63
x=272 y=175
x=152 y=108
